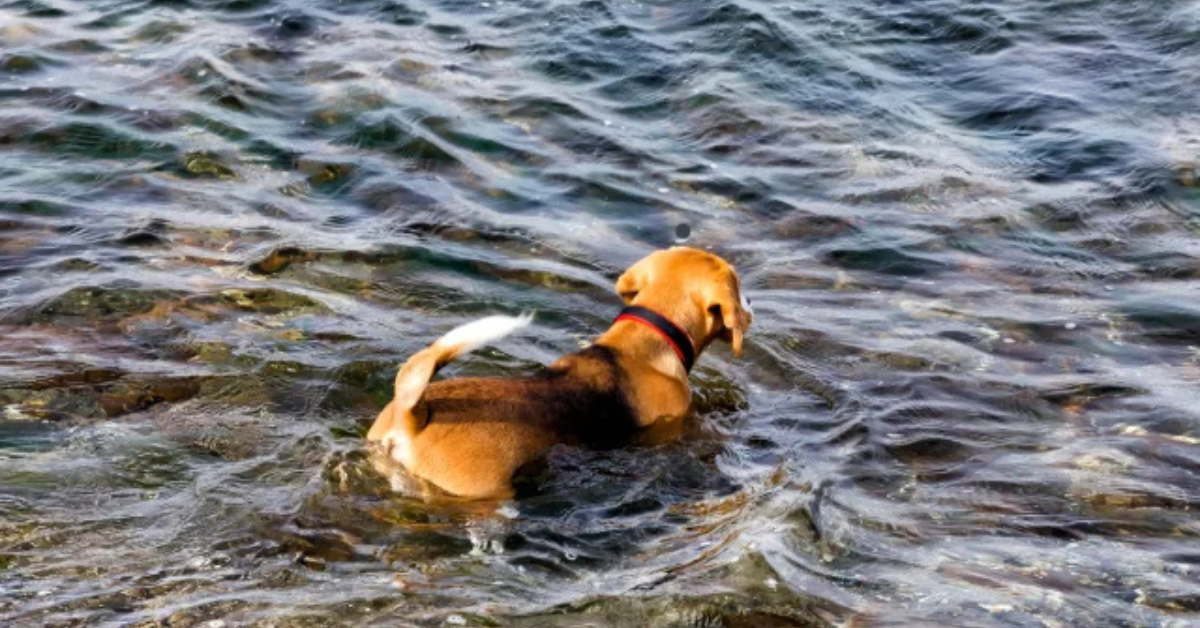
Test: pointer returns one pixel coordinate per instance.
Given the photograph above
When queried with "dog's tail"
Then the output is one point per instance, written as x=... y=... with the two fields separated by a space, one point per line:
x=414 y=376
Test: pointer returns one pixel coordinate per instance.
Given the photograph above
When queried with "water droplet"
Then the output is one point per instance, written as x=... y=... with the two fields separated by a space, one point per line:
x=682 y=232
x=456 y=620
x=1070 y=325
x=202 y=73
x=570 y=556
x=1009 y=341
x=663 y=190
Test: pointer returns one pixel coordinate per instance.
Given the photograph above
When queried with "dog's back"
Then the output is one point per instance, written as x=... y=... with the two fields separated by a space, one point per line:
x=473 y=434
x=579 y=399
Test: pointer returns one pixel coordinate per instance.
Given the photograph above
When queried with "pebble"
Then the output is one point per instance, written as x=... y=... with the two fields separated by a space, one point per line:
x=456 y=620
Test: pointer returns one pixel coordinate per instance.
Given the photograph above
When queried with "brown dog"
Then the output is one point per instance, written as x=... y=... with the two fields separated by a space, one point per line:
x=468 y=436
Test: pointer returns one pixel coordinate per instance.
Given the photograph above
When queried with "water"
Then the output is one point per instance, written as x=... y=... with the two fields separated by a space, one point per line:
x=971 y=232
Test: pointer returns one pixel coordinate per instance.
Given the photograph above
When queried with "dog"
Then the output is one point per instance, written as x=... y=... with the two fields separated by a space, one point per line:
x=469 y=436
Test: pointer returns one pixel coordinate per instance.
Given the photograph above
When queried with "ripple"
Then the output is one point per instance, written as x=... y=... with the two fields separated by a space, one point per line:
x=969 y=233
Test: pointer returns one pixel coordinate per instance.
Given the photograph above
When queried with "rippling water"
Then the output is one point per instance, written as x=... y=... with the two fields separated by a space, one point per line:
x=971 y=232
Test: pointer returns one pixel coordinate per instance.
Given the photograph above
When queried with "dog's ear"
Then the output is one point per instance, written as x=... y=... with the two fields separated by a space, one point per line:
x=632 y=281
x=731 y=312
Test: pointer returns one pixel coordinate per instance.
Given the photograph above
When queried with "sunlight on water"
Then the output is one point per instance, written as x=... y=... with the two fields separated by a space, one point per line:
x=971 y=233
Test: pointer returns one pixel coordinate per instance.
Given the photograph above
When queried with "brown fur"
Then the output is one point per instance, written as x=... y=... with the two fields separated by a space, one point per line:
x=469 y=436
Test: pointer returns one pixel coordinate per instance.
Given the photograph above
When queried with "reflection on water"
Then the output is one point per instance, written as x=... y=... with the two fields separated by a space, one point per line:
x=971 y=233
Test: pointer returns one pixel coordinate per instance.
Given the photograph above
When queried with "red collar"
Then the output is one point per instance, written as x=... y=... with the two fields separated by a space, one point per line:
x=679 y=340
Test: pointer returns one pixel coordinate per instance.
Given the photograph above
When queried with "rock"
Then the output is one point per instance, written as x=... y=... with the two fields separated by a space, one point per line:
x=125 y=397
x=258 y=300
x=105 y=304
x=19 y=64
x=205 y=165
x=279 y=259
x=1185 y=174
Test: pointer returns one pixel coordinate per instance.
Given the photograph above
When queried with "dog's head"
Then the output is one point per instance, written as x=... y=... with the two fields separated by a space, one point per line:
x=694 y=288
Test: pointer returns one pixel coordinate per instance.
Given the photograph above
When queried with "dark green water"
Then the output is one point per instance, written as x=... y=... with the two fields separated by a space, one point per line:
x=971 y=231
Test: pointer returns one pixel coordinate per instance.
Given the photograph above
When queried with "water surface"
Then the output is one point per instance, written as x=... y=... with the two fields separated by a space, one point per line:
x=971 y=232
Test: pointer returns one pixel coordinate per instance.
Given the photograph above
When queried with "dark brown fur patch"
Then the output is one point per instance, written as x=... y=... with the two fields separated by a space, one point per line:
x=579 y=399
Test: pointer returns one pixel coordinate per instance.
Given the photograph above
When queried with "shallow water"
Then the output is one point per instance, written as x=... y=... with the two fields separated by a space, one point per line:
x=971 y=232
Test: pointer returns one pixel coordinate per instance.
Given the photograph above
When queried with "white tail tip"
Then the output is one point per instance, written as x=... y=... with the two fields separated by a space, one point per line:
x=476 y=334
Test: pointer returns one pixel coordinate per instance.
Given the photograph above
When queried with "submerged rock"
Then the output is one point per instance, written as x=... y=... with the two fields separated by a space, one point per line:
x=724 y=610
x=279 y=259
x=324 y=173
x=105 y=304
x=1185 y=173
x=716 y=394
x=258 y=300
x=19 y=64
x=206 y=165
x=125 y=397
